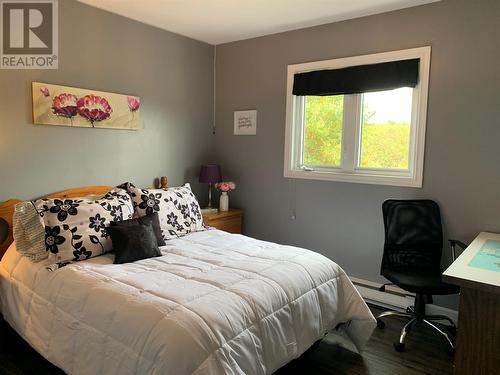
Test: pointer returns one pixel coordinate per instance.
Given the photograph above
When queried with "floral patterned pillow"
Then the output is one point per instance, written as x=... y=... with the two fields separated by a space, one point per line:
x=75 y=229
x=178 y=210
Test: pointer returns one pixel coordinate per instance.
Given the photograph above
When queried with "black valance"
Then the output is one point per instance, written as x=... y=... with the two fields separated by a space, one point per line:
x=357 y=79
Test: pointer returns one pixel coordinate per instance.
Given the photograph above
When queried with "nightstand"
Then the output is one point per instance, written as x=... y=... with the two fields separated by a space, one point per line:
x=229 y=221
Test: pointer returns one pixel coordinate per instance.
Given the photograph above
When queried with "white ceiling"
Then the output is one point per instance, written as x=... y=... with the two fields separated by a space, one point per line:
x=222 y=21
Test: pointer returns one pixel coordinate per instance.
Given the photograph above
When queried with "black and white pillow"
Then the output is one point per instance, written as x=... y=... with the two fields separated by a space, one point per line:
x=178 y=210
x=75 y=229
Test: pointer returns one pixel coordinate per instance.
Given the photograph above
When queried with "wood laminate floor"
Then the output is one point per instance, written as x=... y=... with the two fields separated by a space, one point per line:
x=426 y=353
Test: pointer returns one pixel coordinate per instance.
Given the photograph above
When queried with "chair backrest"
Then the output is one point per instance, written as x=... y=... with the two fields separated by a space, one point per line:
x=413 y=235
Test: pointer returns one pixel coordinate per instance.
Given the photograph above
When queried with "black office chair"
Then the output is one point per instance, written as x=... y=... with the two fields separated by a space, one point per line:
x=412 y=258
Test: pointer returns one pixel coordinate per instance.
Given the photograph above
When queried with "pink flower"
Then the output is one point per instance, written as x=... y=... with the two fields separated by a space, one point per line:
x=64 y=105
x=45 y=91
x=225 y=186
x=94 y=108
x=133 y=103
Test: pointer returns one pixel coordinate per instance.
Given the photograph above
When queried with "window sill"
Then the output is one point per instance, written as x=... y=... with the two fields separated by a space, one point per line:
x=364 y=177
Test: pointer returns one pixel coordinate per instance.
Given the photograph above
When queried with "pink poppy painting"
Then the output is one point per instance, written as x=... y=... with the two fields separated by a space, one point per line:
x=71 y=106
x=94 y=108
x=133 y=103
x=45 y=91
x=64 y=105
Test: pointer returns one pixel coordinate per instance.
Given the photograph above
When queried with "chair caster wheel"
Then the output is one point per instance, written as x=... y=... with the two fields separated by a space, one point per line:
x=380 y=324
x=399 y=347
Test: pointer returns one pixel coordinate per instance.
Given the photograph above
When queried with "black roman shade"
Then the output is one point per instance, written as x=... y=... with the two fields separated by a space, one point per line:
x=357 y=79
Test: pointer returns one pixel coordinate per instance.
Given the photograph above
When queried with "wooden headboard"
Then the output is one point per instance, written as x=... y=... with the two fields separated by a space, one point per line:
x=7 y=207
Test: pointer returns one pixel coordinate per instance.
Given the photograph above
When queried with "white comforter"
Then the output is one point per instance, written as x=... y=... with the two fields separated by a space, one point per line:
x=214 y=303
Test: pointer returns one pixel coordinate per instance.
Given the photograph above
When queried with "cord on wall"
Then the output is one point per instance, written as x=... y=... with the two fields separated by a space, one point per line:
x=215 y=86
x=292 y=193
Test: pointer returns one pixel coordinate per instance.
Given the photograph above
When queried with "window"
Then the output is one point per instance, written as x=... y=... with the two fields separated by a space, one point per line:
x=358 y=119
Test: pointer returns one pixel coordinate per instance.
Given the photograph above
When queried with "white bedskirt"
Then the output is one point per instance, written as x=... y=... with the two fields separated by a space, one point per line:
x=214 y=303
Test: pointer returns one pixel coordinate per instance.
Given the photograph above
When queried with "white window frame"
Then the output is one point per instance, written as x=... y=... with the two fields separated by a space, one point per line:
x=351 y=137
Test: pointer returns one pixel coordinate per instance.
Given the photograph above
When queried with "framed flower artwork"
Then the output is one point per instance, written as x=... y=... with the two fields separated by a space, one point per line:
x=71 y=106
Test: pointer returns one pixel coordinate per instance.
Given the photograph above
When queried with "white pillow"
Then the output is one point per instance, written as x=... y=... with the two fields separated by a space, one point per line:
x=178 y=210
x=75 y=229
x=29 y=233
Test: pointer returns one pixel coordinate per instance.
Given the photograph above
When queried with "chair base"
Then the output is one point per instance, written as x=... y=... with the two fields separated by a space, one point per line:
x=416 y=315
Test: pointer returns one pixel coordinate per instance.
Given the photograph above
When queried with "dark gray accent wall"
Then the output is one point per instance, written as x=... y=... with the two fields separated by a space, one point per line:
x=172 y=74
x=343 y=220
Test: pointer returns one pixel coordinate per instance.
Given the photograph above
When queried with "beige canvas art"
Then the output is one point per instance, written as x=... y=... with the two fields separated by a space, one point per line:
x=71 y=106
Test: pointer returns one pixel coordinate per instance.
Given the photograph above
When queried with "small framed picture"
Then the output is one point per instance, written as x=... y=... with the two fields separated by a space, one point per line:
x=245 y=122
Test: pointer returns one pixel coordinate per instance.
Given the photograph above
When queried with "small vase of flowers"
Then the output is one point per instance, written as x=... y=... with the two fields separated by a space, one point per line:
x=224 y=188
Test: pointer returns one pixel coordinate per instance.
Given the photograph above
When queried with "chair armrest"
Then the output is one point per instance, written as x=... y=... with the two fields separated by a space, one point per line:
x=453 y=244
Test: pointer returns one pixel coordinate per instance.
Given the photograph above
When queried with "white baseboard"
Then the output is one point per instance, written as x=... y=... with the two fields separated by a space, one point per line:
x=395 y=298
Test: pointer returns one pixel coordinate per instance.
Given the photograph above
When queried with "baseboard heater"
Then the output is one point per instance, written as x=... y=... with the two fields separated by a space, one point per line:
x=394 y=298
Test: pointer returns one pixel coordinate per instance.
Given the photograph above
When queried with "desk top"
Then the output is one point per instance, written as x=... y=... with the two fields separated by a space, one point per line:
x=475 y=267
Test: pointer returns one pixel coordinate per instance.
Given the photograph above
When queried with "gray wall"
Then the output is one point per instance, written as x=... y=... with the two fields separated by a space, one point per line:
x=98 y=50
x=343 y=220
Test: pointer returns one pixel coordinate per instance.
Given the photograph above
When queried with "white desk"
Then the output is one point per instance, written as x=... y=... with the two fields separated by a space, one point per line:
x=478 y=336
x=460 y=271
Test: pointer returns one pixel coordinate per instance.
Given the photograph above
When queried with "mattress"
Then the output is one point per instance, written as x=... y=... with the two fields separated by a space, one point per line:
x=213 y=303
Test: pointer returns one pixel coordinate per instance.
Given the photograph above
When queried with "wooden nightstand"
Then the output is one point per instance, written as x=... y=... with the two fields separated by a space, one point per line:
x=230 y=221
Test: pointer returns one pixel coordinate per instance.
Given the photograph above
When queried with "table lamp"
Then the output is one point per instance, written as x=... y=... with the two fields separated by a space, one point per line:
x=210 y=174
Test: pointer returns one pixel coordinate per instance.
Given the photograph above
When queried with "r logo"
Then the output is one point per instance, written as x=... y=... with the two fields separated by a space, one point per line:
x=29 y=33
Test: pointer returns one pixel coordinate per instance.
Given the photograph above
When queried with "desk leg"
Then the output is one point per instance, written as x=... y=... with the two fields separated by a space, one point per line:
x=478 y=336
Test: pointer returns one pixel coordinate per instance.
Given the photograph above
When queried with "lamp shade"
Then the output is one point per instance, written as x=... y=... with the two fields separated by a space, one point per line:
x=210 y=173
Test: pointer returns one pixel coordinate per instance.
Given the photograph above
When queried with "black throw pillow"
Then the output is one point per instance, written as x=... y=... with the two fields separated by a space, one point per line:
x=148 y=219
x=131 y=243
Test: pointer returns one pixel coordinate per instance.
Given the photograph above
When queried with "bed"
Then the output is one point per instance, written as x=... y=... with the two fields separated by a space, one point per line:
x=213 y=303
